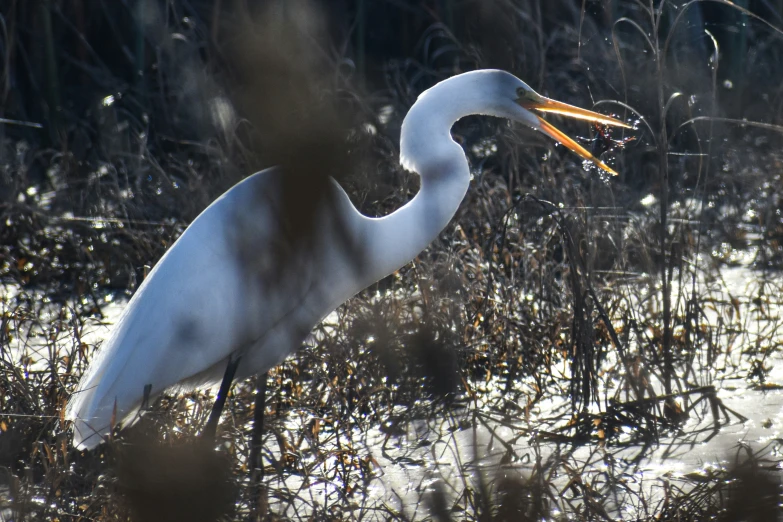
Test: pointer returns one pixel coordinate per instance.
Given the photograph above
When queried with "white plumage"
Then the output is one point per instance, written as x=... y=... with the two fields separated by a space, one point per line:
x=221 y=288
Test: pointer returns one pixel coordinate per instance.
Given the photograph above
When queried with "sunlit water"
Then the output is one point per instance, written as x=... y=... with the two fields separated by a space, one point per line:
x=454 y=452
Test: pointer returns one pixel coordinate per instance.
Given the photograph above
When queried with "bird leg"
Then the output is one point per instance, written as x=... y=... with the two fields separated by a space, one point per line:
x=254 y=462
x=211 y=427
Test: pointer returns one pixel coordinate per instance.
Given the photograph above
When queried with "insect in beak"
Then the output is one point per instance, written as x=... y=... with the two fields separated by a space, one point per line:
x=533 y=101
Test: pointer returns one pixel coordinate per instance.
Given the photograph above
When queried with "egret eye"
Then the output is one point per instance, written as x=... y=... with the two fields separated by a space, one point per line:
x=526 y=94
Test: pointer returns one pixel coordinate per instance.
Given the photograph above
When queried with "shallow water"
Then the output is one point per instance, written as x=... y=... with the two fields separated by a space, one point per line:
x=455 y=450
x=452 y=451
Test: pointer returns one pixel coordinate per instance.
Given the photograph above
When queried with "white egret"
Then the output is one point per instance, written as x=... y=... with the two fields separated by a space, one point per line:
x=208 y=302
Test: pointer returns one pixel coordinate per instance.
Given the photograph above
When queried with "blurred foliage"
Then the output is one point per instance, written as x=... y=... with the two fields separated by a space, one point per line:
x=149 y=109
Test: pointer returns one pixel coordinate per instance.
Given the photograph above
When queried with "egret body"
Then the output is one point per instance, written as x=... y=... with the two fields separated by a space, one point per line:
x=218 y=292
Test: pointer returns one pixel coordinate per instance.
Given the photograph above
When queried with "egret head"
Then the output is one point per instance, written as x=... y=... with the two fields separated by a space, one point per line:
x=490 y=92
x=530 y=101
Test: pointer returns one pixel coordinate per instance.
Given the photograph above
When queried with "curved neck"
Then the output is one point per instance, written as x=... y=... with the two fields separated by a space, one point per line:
x=394 y=240
x=426 y=147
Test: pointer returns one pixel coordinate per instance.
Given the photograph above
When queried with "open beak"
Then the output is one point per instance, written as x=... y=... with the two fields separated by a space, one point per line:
x=542 y=104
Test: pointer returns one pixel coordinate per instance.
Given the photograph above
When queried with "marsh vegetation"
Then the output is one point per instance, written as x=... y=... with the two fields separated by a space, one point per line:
x=571 y=347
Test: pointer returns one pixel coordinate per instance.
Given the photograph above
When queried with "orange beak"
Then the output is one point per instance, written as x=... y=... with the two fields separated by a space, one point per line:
x=536 y=102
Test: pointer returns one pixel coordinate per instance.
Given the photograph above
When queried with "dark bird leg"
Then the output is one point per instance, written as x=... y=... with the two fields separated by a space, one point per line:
x=258 y=427
x=211 y=428
x=255 y=462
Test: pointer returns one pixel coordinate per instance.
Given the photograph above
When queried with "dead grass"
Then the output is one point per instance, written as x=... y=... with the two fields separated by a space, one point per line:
x=544 y=295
